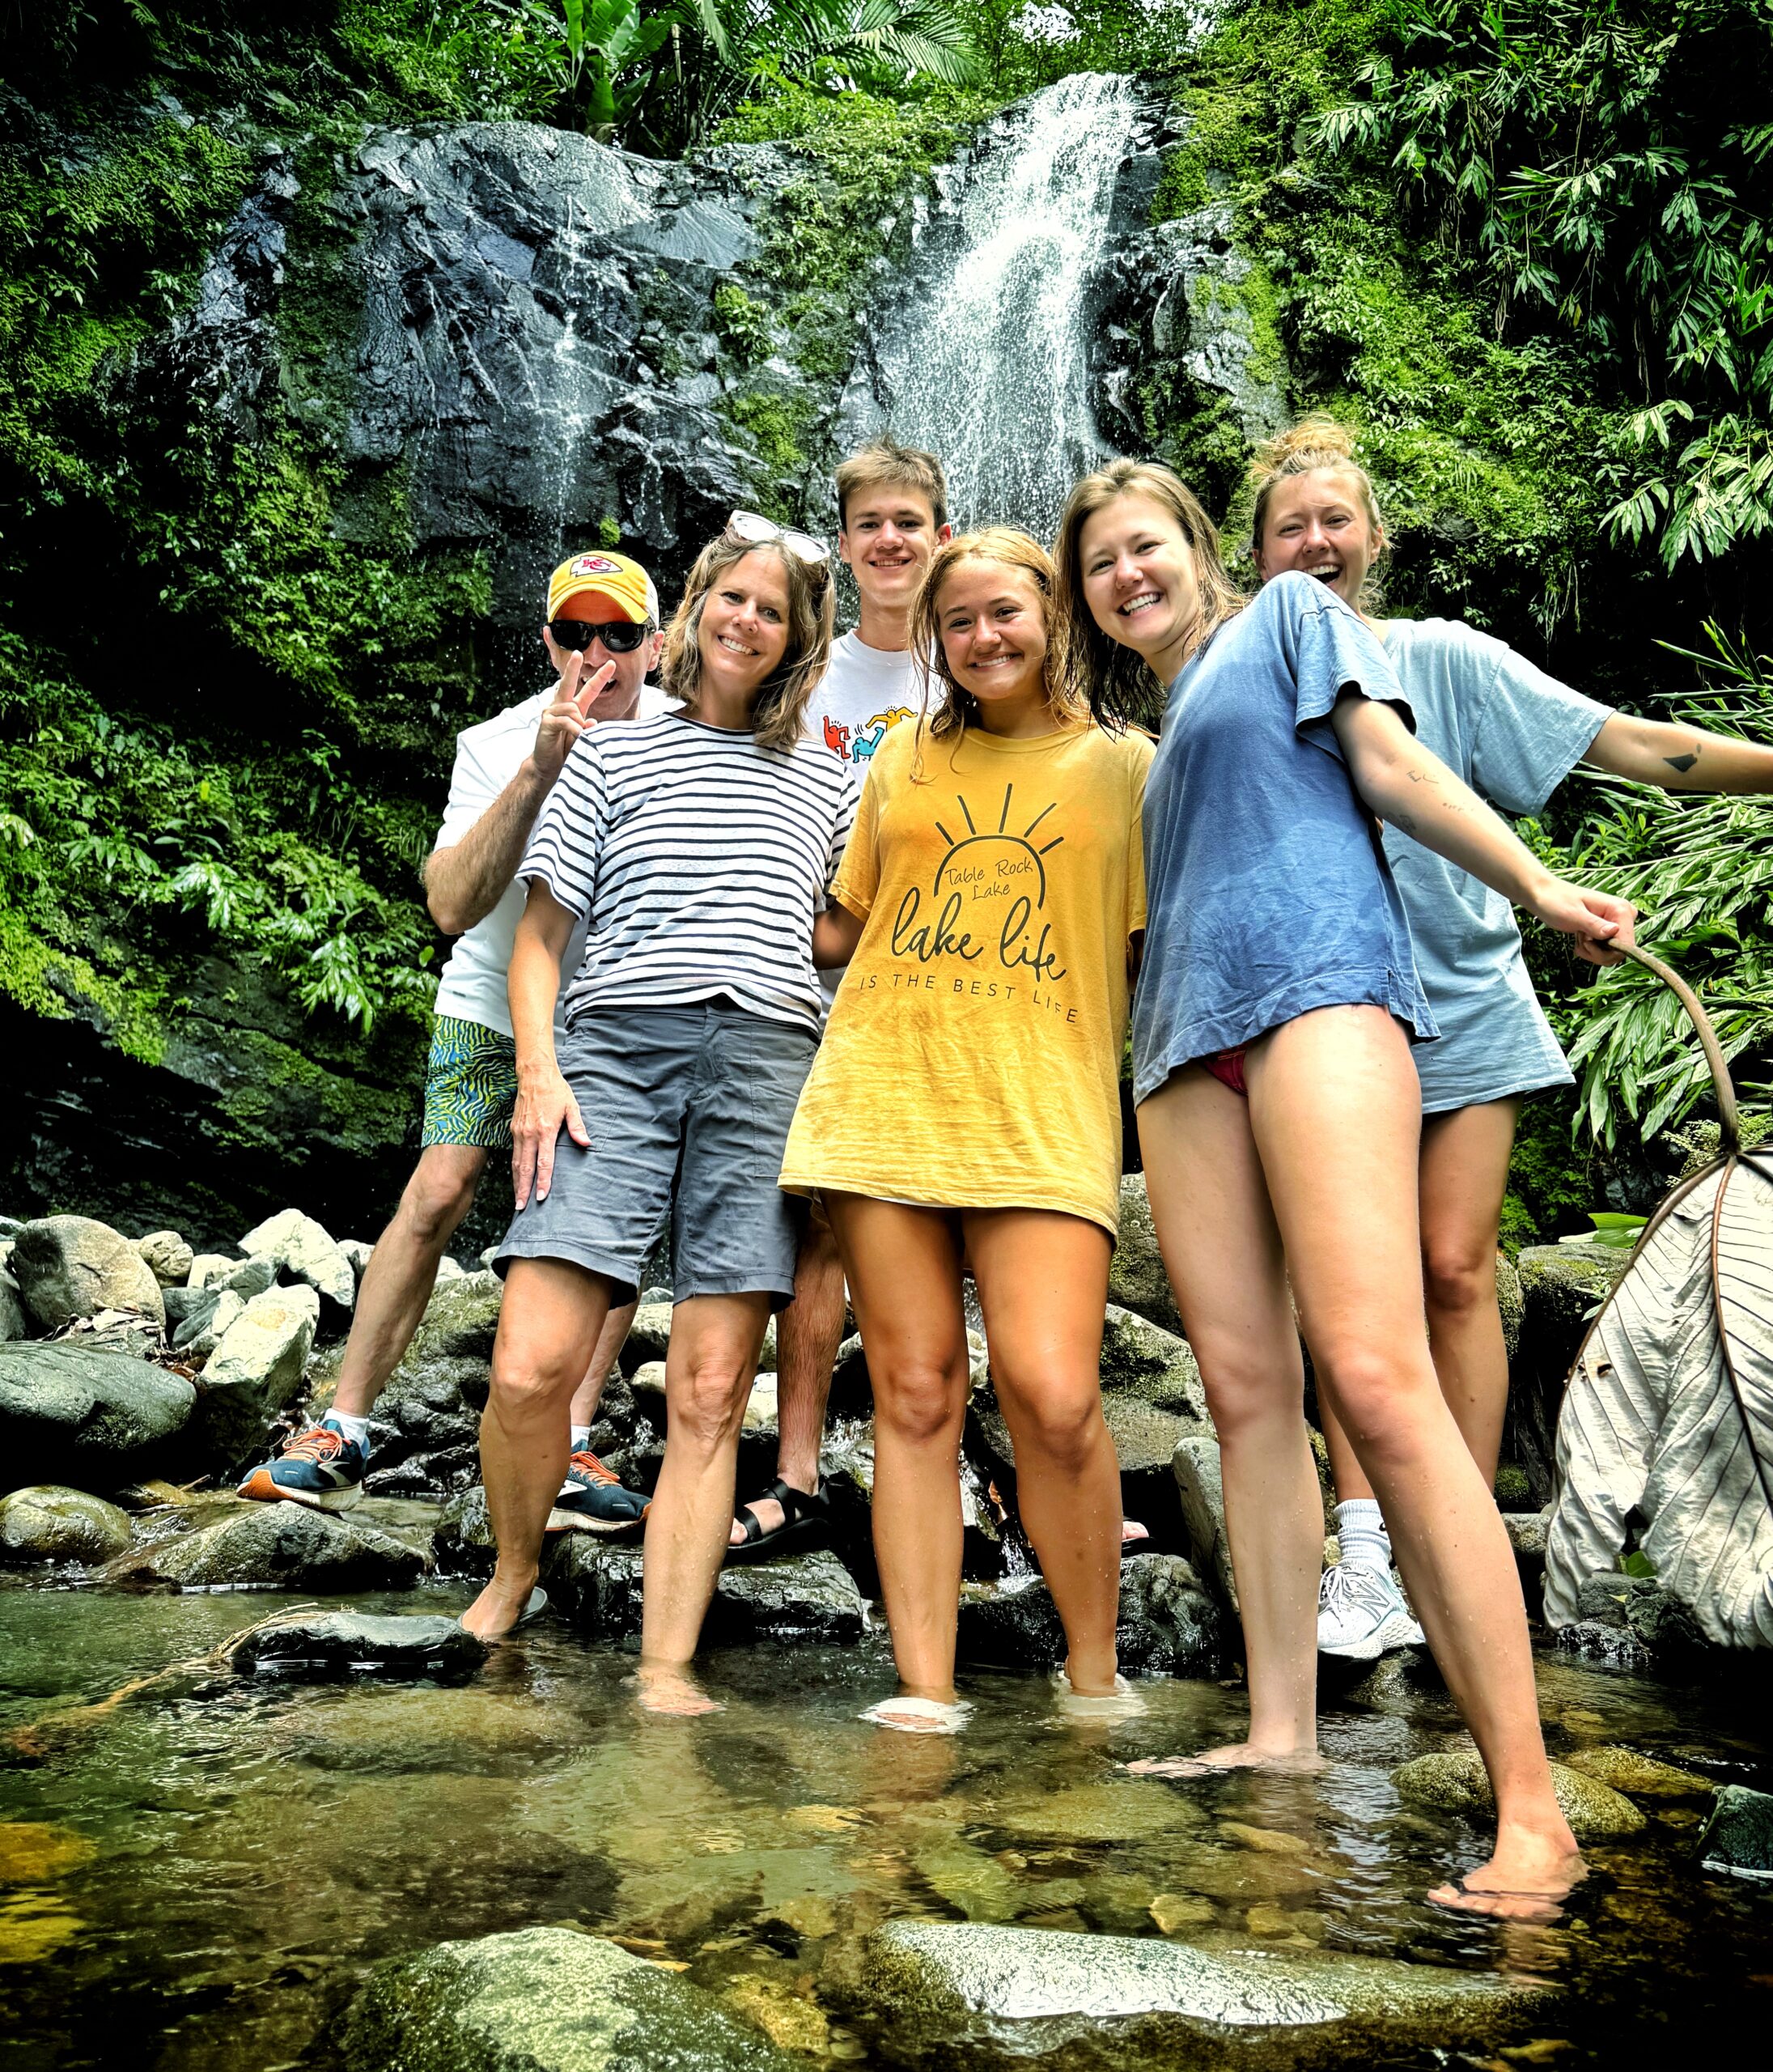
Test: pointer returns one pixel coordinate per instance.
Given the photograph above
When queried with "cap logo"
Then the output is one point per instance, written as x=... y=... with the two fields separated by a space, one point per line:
x=594 y=564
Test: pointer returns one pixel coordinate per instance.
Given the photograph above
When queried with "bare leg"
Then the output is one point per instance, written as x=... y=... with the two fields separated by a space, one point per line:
x=708 y=1375
x=1222 y=1253
x=1335 y=1109
x=610 y=1341
x=904 y=1269
x=808 y=1333
x=1464 y=1176
x=402 y=1271
x=1043 y=1286
x=548 y=1324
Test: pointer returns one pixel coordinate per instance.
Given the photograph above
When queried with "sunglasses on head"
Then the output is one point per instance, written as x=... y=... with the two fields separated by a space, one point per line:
x=756 y=530
x=620 y=636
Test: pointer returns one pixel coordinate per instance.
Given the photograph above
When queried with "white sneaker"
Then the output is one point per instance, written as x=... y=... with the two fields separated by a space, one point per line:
x=1361 y=1614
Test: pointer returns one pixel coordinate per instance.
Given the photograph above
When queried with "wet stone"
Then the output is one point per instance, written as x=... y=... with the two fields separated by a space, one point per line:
x=1638 y=1775
x=327 y=1646
x=544 y=2000
x=1738 y=1838
x=1455 y=1783
x=51 y=1524
x=91 y=1419
x=805 y=1597
x=283 y=1546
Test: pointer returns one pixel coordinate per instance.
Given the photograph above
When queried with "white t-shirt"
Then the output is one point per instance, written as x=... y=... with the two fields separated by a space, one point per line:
x=487 y=757
x=865 y=692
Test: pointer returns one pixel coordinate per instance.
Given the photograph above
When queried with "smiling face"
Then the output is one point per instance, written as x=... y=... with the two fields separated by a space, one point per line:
x=992 y=621
x=619 y=698
x=1138 y=576
x=743 y=632
x=1318 y=523
x=888 y=536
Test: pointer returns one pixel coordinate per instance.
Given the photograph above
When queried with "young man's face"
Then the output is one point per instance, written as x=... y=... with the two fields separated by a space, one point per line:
x=888 y=536
x=619 y=696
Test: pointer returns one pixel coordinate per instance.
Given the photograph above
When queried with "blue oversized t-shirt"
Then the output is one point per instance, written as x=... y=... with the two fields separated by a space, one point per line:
x=1267 y=890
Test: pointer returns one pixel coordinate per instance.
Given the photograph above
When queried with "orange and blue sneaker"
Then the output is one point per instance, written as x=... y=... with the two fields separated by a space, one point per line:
x=320 y=1468
x=593 y=1500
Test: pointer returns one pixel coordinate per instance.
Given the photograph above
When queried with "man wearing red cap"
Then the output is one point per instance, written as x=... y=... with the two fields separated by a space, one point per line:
x=603 y=639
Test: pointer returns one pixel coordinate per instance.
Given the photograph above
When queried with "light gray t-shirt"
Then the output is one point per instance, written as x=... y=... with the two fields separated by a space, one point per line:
x=1514 y=734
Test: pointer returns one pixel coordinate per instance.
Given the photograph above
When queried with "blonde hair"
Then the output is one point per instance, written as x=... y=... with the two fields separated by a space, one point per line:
x=1106 y=677
x=780 y=714
x=882 y=463
x=1315 y=444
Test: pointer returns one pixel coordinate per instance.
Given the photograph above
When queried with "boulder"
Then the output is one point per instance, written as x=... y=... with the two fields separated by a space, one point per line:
x=14 y=1322
x=1455 y=1782
x=85 y=1416
x=1168 y=1625
x=357 y=1251
x=168 y=1256
x=284 y=1546
x=1202 y=1489
x=1512 y=1301
x=1639 y=1607
x=51 y=1524
x=1526 y=1531
x=255 y=1371
x=207 y=1322
x=246 y=1277
x=463 y=1544
x=1738 y=1838
x=325 y=1646
x=1136 y=1280
x=1142 y=1359
x=1561 y=1287
x=996 y=1998
x=807 y=1597
x=300 y=1247
x=547 y=1999
x=70 y=1267
x=1011 y=1625
x=1638 y=1775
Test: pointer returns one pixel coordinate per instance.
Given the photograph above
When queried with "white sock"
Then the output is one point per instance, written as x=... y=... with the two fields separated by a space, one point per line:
x=356 y=1429
x=1360 y=1527
x=581 y=1439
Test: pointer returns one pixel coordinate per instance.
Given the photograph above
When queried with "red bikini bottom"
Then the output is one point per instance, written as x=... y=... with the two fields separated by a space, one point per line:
x=1227 y=1066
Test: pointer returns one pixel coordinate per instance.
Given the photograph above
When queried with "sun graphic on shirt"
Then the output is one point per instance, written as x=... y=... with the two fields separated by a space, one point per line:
x=1005 y=857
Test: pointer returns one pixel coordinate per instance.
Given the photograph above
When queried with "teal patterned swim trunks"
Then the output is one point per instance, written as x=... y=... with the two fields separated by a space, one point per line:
x=470 y=1085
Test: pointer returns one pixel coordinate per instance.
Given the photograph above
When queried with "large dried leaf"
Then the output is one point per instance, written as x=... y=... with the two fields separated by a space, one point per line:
x=1668 y=1413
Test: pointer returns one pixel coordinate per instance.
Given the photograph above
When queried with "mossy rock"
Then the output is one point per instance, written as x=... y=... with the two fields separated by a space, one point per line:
x=1454 y=1782
x=52 y=1524
x=1638 y=1775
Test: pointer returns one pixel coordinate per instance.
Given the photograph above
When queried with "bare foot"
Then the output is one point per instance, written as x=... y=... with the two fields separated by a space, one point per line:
x=1239 y=1755
x=1132 y=1533
x=498 y=1607
x=1528 y=1878
x=672 y=1693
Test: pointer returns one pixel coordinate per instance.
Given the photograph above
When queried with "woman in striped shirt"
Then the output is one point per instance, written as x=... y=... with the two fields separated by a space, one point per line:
x=699 y=847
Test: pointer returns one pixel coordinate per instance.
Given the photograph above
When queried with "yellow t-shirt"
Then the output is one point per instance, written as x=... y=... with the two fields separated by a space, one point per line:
x=973 y=1057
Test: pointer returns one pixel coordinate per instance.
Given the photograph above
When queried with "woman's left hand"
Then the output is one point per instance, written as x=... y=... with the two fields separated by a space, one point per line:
x=1597 y=920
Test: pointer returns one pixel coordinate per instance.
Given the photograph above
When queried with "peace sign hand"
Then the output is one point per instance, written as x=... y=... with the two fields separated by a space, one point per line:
x=568 y=715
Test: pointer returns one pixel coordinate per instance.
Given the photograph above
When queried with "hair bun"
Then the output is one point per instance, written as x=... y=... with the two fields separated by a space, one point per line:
x=1316 y=441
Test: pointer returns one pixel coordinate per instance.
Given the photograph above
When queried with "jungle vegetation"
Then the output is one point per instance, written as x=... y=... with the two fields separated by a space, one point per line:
x=1522 y=247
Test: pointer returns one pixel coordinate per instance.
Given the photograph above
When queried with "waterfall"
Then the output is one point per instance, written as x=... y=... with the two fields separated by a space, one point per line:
x=986 y=360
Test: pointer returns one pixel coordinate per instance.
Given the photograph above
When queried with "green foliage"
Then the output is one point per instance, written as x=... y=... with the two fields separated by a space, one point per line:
x=1551 y=1177
x=1609 y=165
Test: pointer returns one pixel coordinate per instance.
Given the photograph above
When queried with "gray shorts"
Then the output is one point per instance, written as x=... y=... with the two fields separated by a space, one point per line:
x=687 y=1109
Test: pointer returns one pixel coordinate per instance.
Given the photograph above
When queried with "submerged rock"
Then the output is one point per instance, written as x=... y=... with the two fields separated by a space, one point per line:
x=1738 y=1838
x=70 y=1266
x=302 y=1247
x=544 y=2000
x=317 y=1647
x=52 y=1524
x=284 y=1546
x=92 y=1419
x=1638 y=1776
x=805 y=1597
x=991 y=1997
x=1456 y=1782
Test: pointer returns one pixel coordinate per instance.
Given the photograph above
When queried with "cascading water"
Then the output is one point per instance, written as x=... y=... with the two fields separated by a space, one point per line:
x=988 y=363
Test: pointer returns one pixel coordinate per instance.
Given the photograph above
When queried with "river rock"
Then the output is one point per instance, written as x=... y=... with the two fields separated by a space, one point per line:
x=1168 y=1625
x=300 y=1247
x=1638 y=1775
x=84 y=1416
x=807 y=1597
x=1136 y=1278
x=1011 y=1625
x=14 y=1322
x=1639 y=1607
x=1455 y=1782
x=1140 y=1359
x=546 y=1999
x=463 y=1544
x=357 y=1250
x=324 y=1646
x=70 y=1266
x=168 y=1256
x=1203 y=1490
x=51 y=1524
x=210 y=1317
x=1738 y=1838
x=995 y=1997
x=1561 y=1286
x=284 y=1546
x=255 y=1371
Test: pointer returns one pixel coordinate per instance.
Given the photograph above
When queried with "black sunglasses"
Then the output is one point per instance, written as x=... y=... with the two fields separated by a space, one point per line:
x=620 y=636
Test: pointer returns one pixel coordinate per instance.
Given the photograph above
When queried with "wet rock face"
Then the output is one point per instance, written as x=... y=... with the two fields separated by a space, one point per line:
x=1738 y=1838
x=1168 y=1624
x=90 y=1419
x=49 y=1524
x=803 y=1597
x=70 y=1266
x=284 y=1546
x=544 y=2000
x=324 y=1647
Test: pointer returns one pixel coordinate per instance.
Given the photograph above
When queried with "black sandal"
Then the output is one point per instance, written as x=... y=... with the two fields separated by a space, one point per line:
x=804 y=1519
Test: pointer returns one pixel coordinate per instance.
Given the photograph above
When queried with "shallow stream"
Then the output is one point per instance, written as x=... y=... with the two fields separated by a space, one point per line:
x=197 y=1880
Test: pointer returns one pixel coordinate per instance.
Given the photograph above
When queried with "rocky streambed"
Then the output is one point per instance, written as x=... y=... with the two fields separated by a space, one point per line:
x=263 y=1803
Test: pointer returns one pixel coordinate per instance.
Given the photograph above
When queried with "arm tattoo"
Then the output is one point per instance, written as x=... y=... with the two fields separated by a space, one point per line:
x=1683 y=763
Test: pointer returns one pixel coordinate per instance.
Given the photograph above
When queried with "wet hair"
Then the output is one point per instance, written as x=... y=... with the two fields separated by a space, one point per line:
x=1110 y=680
x=780 y=714
x=1317 y=444
x=885 y=463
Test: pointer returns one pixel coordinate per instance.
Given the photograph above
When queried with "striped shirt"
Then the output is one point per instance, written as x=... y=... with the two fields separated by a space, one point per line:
x=700 y=860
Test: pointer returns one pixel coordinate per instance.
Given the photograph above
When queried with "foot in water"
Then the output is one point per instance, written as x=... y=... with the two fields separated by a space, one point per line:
x=672 y=1693
x=1238 y=1755
x=502 y=1606
x=1528 y=1880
